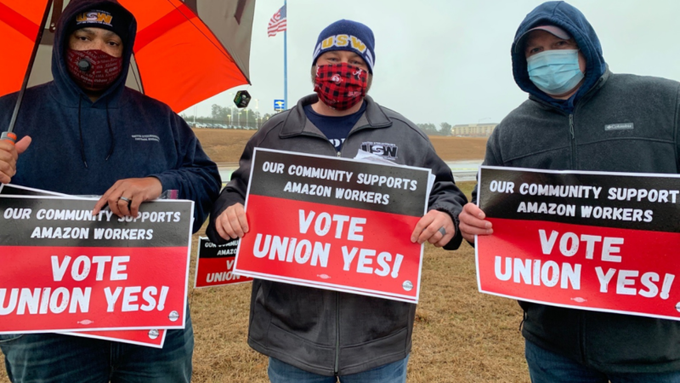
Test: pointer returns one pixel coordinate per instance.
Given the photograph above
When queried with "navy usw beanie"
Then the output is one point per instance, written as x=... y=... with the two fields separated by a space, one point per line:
x=110 y=16
x=347 y=35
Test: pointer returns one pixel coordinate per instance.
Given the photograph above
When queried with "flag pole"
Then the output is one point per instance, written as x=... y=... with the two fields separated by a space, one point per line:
x=285 y=60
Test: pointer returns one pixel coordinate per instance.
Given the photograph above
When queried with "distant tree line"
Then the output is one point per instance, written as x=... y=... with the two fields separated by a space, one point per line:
x=234 y=118
x=430 y=129
x=228 y=118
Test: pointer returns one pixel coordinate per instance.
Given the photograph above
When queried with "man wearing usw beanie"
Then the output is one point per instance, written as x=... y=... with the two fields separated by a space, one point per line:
x=314 y=335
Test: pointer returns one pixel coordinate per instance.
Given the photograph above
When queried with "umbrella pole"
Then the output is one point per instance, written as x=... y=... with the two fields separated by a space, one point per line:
x=9 y=135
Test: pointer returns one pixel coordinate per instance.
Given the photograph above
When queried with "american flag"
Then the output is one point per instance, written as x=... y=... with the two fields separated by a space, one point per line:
x=277 y=23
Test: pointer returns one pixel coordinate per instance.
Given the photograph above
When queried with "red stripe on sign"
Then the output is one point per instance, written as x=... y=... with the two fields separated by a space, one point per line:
x=588 y=267
x=176 y=17
x=345 y=249
x=19 y=22
x=85 y=288
x=217 y=272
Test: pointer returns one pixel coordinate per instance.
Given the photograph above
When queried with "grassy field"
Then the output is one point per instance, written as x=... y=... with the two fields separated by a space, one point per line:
x=225 y=146
x=460 y=335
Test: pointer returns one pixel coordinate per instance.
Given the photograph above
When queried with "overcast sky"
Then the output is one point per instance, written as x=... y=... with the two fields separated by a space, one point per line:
x=448 y=60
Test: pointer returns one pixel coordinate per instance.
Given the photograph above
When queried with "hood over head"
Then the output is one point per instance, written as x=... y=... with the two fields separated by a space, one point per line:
x=119 y=20
x=571 y=20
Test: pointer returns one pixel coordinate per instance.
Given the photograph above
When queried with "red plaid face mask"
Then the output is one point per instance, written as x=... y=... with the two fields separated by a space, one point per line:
x=340 y=86
x=93 y=70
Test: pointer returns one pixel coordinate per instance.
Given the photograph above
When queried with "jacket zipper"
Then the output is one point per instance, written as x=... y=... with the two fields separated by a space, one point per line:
x=336 y=368
x=337 y=296
x=573 y=140
x=582 y=319
x=337 y=333
x=339 y=153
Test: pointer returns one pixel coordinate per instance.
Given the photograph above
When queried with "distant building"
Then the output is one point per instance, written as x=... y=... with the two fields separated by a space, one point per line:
x=473 y=130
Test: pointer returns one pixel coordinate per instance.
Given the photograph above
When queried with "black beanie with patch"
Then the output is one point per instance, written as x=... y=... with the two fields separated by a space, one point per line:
x=111 y=16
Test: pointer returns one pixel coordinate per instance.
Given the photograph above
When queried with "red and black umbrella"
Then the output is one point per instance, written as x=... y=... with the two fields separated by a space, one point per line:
x=185 y=51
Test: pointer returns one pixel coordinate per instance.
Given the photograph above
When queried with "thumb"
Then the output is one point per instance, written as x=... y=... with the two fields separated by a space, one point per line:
x=22 y=144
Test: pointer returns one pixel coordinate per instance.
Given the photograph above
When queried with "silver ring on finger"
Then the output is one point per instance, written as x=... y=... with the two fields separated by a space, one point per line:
x=442 y=231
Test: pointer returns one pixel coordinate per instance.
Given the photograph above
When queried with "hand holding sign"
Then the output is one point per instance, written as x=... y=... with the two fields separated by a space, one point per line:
x=9 y=153
x=473 y=222
x=125 y=196
x=435 y=227
x=232 y=223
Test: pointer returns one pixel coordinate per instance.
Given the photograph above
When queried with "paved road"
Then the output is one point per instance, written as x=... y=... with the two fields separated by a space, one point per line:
x=464 y=170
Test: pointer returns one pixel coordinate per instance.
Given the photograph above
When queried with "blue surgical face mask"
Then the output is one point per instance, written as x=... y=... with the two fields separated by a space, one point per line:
x=555 y=71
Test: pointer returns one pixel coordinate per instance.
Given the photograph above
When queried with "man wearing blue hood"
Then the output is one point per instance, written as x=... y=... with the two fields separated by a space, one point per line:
x=85 y=133
x=580 y=116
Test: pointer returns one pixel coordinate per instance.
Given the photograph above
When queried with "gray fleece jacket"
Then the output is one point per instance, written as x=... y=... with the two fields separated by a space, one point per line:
x=615 y=122
x=321 y=331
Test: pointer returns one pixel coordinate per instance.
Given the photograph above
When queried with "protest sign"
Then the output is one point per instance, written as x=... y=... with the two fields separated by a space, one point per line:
x=215 y=264
x=334 y=223
x=150 y=338
x=589 y=240
x=10 y=189
x=66 y=270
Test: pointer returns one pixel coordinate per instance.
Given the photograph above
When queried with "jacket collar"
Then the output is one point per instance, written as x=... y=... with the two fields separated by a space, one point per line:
x=296 y=123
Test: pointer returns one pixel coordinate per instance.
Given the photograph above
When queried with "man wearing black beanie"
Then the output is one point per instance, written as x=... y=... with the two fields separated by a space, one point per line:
x=314 y=335
x=79 y=135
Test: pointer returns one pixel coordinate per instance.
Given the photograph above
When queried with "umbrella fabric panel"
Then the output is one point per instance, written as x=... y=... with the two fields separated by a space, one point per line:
x=19 y=23
x=180 y=60
x=173 y=43
x=232 y=23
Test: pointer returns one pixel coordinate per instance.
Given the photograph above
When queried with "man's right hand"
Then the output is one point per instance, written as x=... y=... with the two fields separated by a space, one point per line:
x=472 y=222
x=232 y=223
x=9 y=154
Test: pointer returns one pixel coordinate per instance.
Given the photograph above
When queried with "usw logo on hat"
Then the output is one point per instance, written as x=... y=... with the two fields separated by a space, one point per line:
x=347 y=35
x=95 y=17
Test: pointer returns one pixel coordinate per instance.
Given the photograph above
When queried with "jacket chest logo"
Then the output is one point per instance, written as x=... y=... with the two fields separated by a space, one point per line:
x=146 y=137
x=623 y=126
x=382 y=149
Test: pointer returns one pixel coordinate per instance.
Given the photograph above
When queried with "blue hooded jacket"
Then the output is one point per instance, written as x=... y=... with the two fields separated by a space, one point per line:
x=82 y=147
x=570 y=19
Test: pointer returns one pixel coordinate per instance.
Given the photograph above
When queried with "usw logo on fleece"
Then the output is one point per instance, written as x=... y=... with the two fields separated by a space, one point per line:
x=99 y=17
x=384 y=149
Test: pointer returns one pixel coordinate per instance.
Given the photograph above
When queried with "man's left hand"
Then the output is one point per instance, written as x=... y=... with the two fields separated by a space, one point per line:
x=125 y=196
x=435 y=227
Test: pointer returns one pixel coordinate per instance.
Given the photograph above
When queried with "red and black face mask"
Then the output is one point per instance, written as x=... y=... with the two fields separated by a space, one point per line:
x=340 y=86
x=93 y=70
